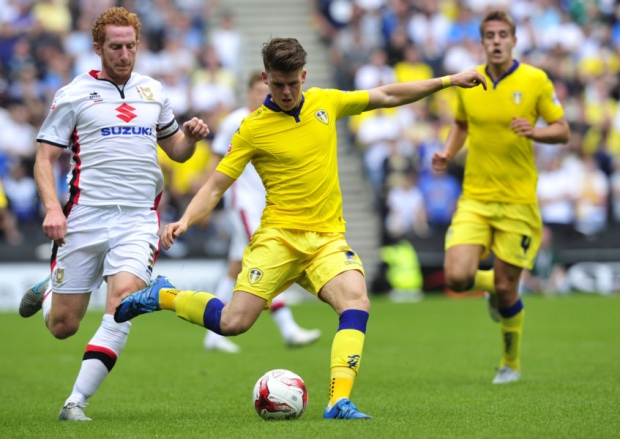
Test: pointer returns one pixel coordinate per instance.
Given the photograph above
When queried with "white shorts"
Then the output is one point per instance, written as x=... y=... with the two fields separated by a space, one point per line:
x=102 y=241
x=243 y=224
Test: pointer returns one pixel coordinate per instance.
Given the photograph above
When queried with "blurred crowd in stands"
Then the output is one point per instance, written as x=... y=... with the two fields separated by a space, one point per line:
x=45 y=43
x=576 y=42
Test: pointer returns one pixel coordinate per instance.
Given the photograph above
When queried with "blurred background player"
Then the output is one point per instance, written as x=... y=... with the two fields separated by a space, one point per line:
x=112 y=120
x=244 y=202
x=498 y=210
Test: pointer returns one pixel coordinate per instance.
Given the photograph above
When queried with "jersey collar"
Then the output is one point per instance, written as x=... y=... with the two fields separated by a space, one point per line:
x=515 y=65
x=274 y=107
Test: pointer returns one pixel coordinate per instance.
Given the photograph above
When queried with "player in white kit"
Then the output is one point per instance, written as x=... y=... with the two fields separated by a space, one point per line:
x=244 y=203
x=112 y=120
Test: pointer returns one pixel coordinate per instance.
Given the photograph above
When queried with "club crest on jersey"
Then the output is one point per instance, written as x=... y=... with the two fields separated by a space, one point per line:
x=146 y=93
x=255 y=275
x=322 y=116
x=517 y=97
x=59 y=275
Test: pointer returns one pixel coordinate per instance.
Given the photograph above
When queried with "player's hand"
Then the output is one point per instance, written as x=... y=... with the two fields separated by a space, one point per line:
x=440 y=161
x=522 y=127
x=195 y=129
x=55 y=226
x=171 y=232
x=468 y=79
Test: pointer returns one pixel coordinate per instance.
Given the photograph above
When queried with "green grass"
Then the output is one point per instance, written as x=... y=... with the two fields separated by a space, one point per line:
x=425 y=373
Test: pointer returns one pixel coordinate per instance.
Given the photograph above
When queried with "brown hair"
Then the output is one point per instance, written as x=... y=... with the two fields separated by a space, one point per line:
x=499 y=16
x=255 y=76
x=283 y=55
x=116 y=16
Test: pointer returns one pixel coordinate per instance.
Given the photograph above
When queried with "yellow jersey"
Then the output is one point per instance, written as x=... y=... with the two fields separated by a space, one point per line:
x=500 y=165
x=295 y=155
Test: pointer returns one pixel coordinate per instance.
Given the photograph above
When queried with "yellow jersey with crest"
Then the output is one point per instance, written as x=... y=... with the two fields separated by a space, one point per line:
x=500 y=165
x=294 y=153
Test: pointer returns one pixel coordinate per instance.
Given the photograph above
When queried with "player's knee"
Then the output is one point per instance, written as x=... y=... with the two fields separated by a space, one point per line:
x=62 y=329
x=458 y=281
x=234 y=326
x=361 y=302
x=507 y=292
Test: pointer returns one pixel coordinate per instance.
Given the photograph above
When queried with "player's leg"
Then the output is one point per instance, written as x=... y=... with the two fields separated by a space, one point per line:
x=293 y=334
x=223 y=291
x=336 y=275
x=346 y=293
x=461 y=266
x=512 y=314
x=517 y=237
x=197 y=307
x=468 y=240
x=103 y=349
x=125 y=255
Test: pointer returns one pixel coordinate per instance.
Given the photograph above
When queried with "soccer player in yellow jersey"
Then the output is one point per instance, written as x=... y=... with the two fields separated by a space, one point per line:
x=498 y=209
x=291 y=141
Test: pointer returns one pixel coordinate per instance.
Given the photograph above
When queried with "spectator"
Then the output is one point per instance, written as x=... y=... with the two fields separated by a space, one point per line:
x=374 y=73
x=21 y=192
x=557 y=193
x=405 y=207
x=8 y=223
x=441 y=191
x=591 y=206
x=227 y=42
x=412 y=68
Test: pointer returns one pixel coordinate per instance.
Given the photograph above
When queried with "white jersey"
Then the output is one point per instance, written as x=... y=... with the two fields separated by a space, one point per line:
x=247 y=194
x=112 y=132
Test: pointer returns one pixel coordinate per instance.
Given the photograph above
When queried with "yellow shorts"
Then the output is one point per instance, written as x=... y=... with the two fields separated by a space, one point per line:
x=511 y=231
x=276 y=258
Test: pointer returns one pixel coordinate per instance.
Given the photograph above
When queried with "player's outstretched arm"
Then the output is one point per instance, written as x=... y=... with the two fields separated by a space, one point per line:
x=181 y=146
x=395 y=95
x=201 y=205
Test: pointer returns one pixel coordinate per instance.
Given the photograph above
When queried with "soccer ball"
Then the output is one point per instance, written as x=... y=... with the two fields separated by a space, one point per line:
x=280 y=394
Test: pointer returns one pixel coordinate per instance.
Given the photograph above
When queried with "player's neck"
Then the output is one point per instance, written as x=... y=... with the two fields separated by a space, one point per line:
x=496 y=71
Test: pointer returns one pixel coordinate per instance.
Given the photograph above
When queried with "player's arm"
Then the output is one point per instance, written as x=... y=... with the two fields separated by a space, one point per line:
x=394 y=95
x=55 y=222
x=456 y=140
x=201 y=205
x=555 y=132
x=182 y=144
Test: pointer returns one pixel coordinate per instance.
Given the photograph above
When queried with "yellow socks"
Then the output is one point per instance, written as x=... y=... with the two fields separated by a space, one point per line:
x=512 y=328
x=339 y=388
x=346 y=353
x=200 y=308
x=484 y=281
x=167 y=297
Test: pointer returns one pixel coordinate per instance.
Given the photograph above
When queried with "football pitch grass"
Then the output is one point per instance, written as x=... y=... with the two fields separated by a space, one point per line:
x=426 y=373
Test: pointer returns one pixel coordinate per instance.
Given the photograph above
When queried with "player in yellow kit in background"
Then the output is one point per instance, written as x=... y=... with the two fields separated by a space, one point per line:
x=498 y=209
x=292 y=142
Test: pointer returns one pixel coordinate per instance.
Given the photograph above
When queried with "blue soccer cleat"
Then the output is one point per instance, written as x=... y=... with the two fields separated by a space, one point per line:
x=142 y=301
x=344 y=409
